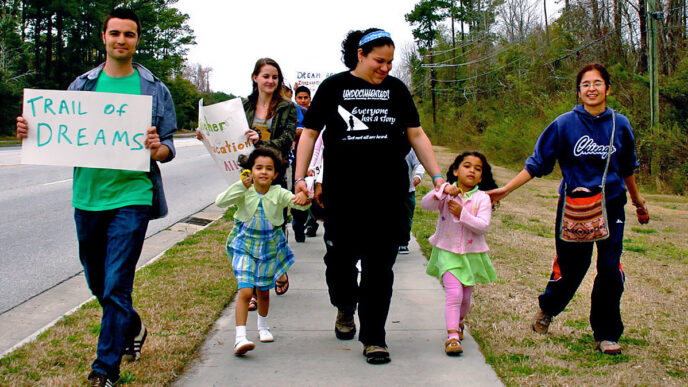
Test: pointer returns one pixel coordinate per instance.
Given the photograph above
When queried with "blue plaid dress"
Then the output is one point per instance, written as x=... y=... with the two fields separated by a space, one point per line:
x=259 y=252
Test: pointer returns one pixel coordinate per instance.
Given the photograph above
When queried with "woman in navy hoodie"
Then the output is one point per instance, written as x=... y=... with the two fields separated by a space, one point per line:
x=579 y=141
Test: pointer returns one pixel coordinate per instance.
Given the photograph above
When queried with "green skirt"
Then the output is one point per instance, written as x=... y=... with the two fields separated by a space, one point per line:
x=469 y=268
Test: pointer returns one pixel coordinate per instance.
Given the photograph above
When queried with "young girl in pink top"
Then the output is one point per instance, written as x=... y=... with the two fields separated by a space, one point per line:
x=459 y=254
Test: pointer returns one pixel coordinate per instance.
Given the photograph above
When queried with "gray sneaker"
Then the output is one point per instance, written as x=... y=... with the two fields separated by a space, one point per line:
x=345 y=326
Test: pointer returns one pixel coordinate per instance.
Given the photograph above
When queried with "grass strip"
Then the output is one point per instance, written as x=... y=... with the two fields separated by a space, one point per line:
x=179 y=298
x=521 y=240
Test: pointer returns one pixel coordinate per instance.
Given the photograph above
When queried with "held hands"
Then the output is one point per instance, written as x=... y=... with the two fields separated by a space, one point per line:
x=497 y=194
x=301 y=199
x=438 y=182
x=641 y=211
x=301 y=187
x=451 y=190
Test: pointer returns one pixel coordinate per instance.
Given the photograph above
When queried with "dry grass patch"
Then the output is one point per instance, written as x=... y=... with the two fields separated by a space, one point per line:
x=179 y=297
x=522 y=250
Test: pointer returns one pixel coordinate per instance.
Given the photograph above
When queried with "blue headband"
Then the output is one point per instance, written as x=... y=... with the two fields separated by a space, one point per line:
x=374 y=35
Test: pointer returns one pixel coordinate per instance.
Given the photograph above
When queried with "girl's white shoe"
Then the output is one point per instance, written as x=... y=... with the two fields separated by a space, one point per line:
x=242 y=345
x=265 y=335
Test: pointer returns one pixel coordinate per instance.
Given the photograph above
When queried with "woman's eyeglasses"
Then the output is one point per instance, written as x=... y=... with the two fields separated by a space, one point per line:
x=588 y=85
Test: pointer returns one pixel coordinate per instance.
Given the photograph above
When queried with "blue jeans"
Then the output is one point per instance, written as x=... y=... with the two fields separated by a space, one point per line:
x=110 y=244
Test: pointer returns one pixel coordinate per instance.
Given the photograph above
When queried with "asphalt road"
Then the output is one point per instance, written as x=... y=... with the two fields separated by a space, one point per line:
x=38 y=247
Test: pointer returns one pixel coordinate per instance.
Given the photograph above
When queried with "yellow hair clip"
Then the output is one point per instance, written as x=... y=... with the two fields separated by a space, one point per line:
x=245 y=173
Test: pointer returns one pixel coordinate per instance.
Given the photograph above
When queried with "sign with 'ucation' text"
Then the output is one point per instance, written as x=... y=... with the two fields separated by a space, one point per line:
x=86 y=129
x=224 y=127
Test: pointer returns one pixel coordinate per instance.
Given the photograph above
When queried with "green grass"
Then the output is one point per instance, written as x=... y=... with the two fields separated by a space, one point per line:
x=515 y=223
x=199 y=275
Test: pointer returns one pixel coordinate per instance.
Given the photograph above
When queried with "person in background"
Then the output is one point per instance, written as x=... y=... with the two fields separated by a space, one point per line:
x=112 y=207
x=303 y=96
x=303 y=223
x=416 y=172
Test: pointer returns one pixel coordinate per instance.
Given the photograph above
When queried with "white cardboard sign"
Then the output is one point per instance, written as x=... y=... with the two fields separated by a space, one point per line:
x=311 y=79
x=86 y=129
x=224 y=127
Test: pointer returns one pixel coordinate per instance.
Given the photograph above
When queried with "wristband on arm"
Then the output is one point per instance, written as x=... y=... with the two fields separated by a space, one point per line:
x=435 y=178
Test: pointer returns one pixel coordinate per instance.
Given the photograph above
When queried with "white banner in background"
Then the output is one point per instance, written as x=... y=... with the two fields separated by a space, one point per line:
x=311 y=80
x=224 y=127
x=86 y=129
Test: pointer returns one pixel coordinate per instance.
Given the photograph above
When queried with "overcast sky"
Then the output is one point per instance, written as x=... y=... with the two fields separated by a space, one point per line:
x=300 y=35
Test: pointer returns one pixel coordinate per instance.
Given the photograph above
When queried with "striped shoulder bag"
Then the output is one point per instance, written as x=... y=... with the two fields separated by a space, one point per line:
x=584 y=218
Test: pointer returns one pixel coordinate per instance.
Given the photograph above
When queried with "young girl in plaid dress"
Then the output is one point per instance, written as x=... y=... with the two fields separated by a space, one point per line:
x=257 y=244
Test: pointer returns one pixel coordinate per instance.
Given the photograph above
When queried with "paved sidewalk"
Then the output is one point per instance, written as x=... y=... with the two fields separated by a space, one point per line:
x=305 y=351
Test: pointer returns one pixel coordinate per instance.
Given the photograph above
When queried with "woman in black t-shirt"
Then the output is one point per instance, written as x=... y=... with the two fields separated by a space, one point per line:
x=371 y=123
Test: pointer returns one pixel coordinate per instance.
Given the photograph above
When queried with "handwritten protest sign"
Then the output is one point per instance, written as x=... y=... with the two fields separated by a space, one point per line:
x=86 y=129
x=311 y=79
x=224 y=127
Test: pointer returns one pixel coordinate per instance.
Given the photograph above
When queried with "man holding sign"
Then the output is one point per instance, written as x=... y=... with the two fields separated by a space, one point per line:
x=113 y=206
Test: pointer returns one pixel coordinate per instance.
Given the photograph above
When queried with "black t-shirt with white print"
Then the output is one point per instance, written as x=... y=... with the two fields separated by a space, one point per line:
x=365 y=145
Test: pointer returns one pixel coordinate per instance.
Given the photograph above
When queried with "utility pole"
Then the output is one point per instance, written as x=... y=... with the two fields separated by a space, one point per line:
x=652 y=17
x=544 y=7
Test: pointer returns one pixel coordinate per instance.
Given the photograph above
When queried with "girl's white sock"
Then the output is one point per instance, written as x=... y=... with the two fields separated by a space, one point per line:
x=240 y=331
x=262 y=322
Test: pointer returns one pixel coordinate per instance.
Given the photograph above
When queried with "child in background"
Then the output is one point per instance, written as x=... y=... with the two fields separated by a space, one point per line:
x=257 y=244
x=459 y=254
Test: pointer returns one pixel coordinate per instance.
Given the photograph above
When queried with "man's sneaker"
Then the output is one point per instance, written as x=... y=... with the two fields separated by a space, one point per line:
x=541 y=322
x=242 y=345
x=608 y=347
x=345 y=326
x=133 y=351
x=100 y=380
x=403 y=249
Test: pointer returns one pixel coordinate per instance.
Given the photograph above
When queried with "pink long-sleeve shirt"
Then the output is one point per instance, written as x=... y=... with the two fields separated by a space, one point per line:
x=464 y=234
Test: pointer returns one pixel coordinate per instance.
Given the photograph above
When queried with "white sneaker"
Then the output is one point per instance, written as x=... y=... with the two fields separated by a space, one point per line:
x=242 y=345
x=265 y=335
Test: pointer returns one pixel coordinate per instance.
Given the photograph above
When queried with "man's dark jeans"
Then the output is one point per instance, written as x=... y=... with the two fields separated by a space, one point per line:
x=110 y=244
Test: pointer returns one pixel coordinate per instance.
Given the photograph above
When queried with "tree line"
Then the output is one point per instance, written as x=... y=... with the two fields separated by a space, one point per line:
x=47 y=43
x=493 y=73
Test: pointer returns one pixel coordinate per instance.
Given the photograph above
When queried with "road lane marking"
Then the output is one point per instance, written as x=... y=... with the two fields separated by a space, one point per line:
x=56 y=182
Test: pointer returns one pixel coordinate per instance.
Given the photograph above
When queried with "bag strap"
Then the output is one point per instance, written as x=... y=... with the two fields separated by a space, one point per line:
x=609 y=151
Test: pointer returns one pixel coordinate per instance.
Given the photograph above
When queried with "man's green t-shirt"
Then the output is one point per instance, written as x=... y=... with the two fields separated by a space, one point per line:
x=98 y=189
